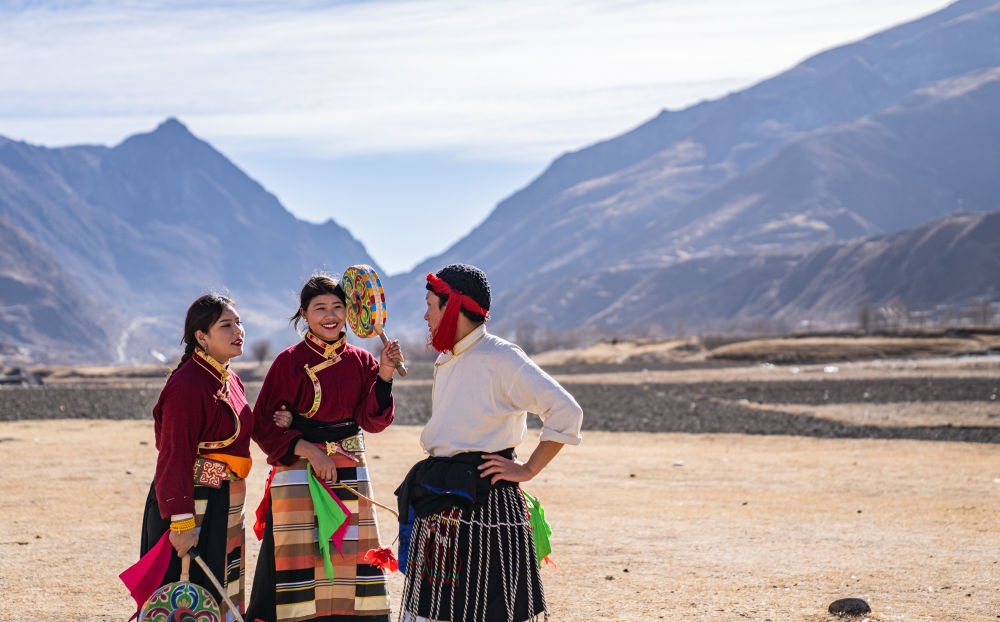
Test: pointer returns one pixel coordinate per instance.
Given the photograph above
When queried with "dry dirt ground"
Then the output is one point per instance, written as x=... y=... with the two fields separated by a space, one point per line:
x=647 y=526
x=741 y=493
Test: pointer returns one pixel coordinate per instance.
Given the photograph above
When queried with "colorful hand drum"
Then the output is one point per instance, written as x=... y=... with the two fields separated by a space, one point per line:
x=366 y=311
x=181 y=601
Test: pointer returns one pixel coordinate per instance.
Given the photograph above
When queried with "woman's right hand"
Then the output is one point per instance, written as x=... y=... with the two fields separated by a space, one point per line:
x=183 y=540
x=322 y=465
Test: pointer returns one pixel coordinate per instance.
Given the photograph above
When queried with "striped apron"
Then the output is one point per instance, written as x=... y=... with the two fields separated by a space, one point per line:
x=301 y=589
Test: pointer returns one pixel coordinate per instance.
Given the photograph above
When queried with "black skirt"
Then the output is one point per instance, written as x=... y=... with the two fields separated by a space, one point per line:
x=476 y=563
x=212 y=541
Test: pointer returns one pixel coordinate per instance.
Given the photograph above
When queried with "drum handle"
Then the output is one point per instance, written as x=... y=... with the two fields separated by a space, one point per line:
x=185 y=568
x=218 y=586
x=400 y=366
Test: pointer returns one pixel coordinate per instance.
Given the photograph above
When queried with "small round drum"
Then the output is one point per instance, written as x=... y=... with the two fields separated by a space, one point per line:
x=180 y=601
x=366 y=312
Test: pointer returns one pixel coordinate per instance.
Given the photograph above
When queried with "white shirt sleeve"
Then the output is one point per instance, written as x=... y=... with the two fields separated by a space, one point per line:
x=535 y=391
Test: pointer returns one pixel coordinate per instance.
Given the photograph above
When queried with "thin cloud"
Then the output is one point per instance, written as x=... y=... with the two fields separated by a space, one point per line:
x=512 y=80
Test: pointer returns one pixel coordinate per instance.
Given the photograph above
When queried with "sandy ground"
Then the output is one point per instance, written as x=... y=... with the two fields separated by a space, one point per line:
x=647 y=526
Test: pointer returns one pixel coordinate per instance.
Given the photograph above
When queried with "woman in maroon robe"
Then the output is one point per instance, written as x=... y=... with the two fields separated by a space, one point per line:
x=203 y=428
x=333 y=391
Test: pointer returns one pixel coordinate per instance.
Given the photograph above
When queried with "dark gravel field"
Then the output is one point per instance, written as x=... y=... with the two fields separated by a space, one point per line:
x=716 y=407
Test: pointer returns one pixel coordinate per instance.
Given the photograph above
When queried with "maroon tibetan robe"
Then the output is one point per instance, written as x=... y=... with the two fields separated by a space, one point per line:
x=347 y=390
x=191 y=411
x=290 y=585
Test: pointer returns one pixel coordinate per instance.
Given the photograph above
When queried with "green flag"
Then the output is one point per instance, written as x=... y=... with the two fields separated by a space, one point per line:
x=540 y=530
x=331 y=516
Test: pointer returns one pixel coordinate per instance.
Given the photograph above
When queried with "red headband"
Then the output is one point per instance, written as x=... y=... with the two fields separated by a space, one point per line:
x=443 y=339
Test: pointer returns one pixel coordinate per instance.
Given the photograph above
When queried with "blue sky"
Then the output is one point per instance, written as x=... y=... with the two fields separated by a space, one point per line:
x=405 y=121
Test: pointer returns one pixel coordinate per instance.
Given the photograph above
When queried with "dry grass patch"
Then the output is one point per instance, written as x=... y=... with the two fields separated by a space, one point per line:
x=909 y=414
x=816 y=349
x=641 y=351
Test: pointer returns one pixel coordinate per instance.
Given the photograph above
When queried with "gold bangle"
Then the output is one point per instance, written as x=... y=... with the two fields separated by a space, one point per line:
x=182 y=525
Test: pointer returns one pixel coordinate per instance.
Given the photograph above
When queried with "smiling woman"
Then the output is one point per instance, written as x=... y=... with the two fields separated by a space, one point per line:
x=317 y=399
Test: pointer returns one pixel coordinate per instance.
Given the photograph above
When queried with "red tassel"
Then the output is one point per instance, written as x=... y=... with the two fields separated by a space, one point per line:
x=444 y=337
x=382 y=558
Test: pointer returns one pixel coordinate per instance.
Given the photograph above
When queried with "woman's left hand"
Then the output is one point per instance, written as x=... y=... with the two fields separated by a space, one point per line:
x=503 y=468
x=513 y=471
x=387 y=361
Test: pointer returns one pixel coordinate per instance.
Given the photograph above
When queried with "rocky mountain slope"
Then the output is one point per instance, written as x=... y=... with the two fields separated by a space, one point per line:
x=148 y=225
x=869 y=138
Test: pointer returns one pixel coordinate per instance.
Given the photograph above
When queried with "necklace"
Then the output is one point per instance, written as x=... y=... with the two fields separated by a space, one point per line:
x=201 y=359
x=330 y=356
x=327 y=350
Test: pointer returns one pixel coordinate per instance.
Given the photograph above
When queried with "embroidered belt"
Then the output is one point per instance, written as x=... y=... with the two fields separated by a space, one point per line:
x=346 y=447
x=211 y=472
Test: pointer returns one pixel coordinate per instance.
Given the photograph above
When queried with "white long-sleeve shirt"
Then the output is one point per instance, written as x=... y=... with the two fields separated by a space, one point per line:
x=482 y=394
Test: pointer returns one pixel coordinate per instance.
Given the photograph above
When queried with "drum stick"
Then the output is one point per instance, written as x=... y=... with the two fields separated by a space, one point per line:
x=400 y=366
x=211 y=577
x=370 y=500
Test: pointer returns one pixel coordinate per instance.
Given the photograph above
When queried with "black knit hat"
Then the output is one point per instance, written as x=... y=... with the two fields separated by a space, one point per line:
x=469 y=280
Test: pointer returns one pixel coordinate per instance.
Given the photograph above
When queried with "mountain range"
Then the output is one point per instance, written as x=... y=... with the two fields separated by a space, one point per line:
x=866 y=139
x=145 y=227
x=864 y=174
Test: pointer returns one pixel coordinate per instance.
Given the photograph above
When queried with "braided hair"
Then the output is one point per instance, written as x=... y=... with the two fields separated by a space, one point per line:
x=201 y=315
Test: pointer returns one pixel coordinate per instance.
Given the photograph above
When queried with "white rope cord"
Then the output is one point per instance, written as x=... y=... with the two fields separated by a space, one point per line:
x=472 y=542
x=454 y=546
x=416 y=556
x=495 y=501
x=524 y=535
x=485 y=515
x=530 y=564
x=503 y=538
x=513 y=535
x=487 y=545
x=435 y=565
x=436 y=548
x=404 y=604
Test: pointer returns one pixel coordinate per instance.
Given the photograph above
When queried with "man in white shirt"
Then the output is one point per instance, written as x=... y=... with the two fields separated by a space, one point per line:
x=472 y=554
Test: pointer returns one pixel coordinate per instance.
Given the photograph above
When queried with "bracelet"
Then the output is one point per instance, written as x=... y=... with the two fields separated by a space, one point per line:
x=182 y=525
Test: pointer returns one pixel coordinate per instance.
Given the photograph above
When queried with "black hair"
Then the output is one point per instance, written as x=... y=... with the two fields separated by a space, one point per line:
x=469 y=280
x=317 y=285
x=201 y=315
